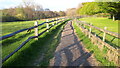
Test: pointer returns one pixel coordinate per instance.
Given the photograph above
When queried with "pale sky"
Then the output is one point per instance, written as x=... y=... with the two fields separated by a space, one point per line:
x=54 y=5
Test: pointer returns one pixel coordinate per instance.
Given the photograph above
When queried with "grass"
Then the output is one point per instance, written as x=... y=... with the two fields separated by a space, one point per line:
x=33 y=50
x=9 y=27
x=101 y=23
x=99 y=55
x=10 y=44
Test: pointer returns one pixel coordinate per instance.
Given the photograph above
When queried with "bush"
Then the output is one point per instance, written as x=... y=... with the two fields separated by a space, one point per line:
x=8 y=18
x=20 y=16
x=102 y=15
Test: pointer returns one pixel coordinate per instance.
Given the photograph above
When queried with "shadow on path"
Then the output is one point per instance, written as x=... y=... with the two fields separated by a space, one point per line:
x=70 y=53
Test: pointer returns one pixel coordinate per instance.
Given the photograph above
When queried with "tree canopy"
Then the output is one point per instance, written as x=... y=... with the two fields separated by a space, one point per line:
x=91 y=8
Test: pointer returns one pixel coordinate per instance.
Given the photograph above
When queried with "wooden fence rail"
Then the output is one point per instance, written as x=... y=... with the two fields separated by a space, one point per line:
x=103 y=30
x=112 y=53
x=7 y=57
x=14 y=33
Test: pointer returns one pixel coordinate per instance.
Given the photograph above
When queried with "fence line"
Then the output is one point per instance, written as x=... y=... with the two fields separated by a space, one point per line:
x=7 y=57
x=14 y=33
x=112 y=53
x=103 y=30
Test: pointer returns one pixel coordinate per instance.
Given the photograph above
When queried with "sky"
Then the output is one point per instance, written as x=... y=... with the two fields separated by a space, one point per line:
x=54 y=5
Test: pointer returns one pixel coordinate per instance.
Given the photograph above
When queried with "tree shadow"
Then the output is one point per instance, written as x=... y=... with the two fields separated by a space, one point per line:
x=18 y=37
x=110 y=42
x=69 y=54
x=67 y=35
x=66 y=30
x=107 y=40
x=13 y=39
x=42 y=27
x=31 y=51
x=113 y=39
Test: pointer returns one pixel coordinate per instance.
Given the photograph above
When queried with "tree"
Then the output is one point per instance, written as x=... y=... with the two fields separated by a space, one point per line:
x=28 y=11
x=61 y=13
x=71 y=12
x=89 y=8
x=32 y=9
x=78 y=8
x=49 y=14
x=111 y=7
x=20 y=13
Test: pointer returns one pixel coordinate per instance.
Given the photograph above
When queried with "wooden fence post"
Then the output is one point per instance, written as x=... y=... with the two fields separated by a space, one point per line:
x=104 y=34
x=56 y=21
x=90 y=31
x=36 y=29
x=53 y=22
x=95 y=34
x=47 y=25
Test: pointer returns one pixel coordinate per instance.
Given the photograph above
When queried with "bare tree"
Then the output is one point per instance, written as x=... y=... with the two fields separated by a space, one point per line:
x=71 y=12
x=31 y=9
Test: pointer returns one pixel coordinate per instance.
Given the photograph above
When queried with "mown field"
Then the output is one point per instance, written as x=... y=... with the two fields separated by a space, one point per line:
x=9 y=27
x=33 y=50
x=101 y=23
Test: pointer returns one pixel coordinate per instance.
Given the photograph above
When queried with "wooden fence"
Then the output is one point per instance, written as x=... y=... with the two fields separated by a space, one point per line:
x=112 y=53
x=36 y=34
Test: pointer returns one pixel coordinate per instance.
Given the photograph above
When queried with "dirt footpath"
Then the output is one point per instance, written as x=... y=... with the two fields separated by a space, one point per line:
x=70 y=52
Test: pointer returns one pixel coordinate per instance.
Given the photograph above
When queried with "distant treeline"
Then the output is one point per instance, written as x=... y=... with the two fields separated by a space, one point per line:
x=28 y=13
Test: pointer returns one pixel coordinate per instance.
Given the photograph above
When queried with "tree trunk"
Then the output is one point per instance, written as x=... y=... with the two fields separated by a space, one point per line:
x=113 y=18
x=117 y=16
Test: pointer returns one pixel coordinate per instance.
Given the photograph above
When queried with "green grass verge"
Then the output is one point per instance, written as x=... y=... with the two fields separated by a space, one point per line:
x=33 y=50
x=101 y=23
x=99 y=55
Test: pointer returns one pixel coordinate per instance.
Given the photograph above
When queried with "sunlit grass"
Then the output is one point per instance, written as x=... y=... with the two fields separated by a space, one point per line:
x=9 y=27
x=33 y=49
x=99 y=55
x=101 y=23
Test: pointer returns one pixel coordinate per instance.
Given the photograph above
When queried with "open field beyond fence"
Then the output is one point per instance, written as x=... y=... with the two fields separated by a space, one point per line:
x=33 y=48
x=101 y=23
